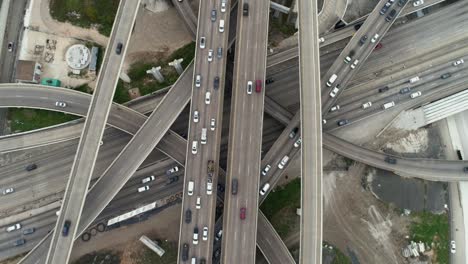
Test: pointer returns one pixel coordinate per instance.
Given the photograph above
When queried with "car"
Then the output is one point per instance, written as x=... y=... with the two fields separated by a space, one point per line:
x=298 y=142
x=245 y=9
x=384 y=8
x=172 y=170
x=203 y=136
x=374 y=38
x=209 y=188
x=202 y=42
x=19 y=242
x=219 y=235
x=118 y=49
x=190 y=187
x=188 y=216
x=321 y=40
x=366 y=105
x=31 y=167
x=185 y=251
x=324 y=121
x=198 y=203
x=202 y=261
x=388 y=105
x=405 y=90
x=10 y=46
x=379 y=46
x=453 y=247
x=205 y=233
x=416 y=94
x=66 y=228
x=148 y=179
x=418 y=3
x=446 y=75
x=249 y=87
x=354 y=64
x=223 y=6
x=458 y=62
x=212 y=124
x=414 y=79
x=195 y=236
x=172 y=179
x=219 y=53
x=29 y=231
x=14 y=227
x=334 y=91
x=401 y=3
x=266 y=169
x=61 y=104
x=221 y=25
x=258 y=86
x=220 y=187
x=383 y=89
x=207 y=98
x=391 y=15
x=390 y=160
x=234 y=186
x=465 y=169
x=242 y=213
x=213 y=15
x=216 y=83
x=293 y=132
x=196 y=116
x=198 y=80
x=363 y=40
x=347 y=59
x=343 y=122
x=283 y=162
x=269 y=80
x=194 y=147
x=143 y=188
x=8 y=191
x=210 y=55
x=331 y=80
x=335 y=108
x=264 y=189
x=357 y=26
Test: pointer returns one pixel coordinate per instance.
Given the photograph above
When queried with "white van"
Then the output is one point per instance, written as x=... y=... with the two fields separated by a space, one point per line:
x=264 y=189
x=194 y=147
x=416 y=94
x=194 y=260
x=283 y=162
x=414 y=79
x=221 y=25
x=332 y=80
x=207 y=98
x=198 y=204
x=190 y=186
x=203 y=136
x=388 y=105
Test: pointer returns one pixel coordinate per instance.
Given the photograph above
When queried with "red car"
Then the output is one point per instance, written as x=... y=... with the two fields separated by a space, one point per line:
x=242 y=213
x=379 y=46
x=258 y=86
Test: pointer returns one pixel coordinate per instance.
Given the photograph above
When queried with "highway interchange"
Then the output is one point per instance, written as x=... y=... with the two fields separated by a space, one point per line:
x=338 y=146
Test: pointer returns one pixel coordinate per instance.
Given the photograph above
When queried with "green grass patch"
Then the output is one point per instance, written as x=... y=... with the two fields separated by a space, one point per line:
x=84 y=88
x=30 y=119
x=101 y=257
x=147 y=256
x=280 y=207
x=340 y=258
x=86 y=13
x=121 y=94
x=433 y=230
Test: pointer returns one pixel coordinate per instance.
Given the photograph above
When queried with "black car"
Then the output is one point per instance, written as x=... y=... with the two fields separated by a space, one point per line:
x=269 y=80
x=391 y=15
x=216 y=83
x=385 y=8
x=118 y=49
x=234 y=186
x=188 y=216
x=220 y=187
x=405 y=90
x=390 y=160
x=363 y=40
x=202 y=261
x=446 y=75
x=66 y=227
x=245 y=9
x=185 y=250
x=357 y=26
x=29 y=231
x=465 y=169
x=19 y=242
x=293 y=132
x=401 y=2
x=383 y=89
x=31 y=167
x=343 y=122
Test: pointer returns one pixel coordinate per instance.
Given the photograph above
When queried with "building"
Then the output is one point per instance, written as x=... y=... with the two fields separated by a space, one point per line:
x=28 y=72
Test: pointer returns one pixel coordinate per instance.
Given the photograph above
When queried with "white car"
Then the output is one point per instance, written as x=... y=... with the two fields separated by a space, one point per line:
x=13 y=227
x=210 y=55
x=354 y=64
x=207 y=98
x=415 y=94
x=418 y=3
x=194 y=147
x=61 y=104
x=8 y=191
x=374 y=38
x=196 y=116
x=249 y=87
x=298 y=142
x=321 y=40
x=283 y=162
x=205 y=233
x=209 y=188
x=366 y=105
x=266 y=169
x=458 y=62
x=198 y=80
x=148 y=179
x=453 y=247
x=334 y=92
x=212 y=124
x=202 y=42
x=195 y=236
x=347 y=59
x=198 y=203
x=264 y=189
x=223 y=6
x=335 y=108
x=10 y=46
x=143 y=189
x=172 y=170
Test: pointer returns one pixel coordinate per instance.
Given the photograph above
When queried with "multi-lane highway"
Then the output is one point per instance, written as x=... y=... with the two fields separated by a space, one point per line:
x=311 y=134
x=96 y=120
x=245 y=138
